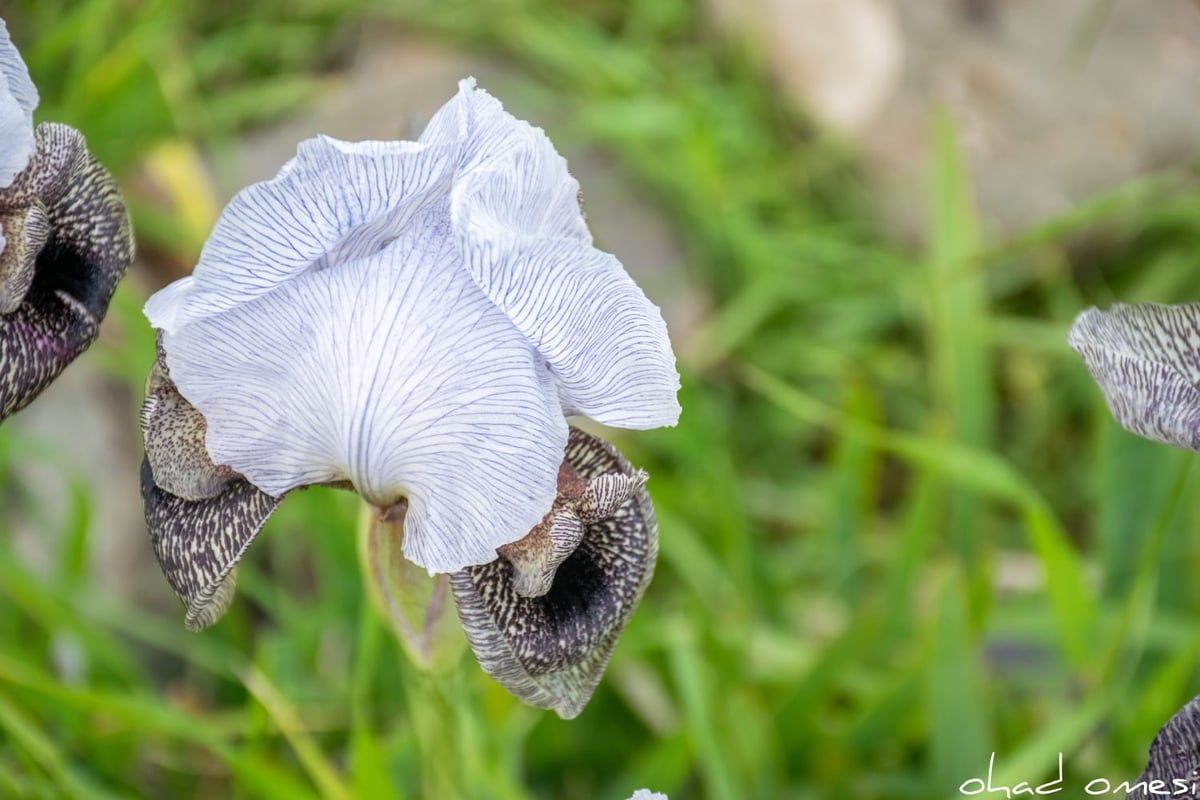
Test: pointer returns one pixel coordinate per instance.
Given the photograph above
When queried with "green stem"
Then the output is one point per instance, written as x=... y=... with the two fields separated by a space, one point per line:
x=431 y=705
x=419 y=608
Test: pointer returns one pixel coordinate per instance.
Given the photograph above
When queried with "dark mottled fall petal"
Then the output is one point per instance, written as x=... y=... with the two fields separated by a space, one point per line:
x=87 y=249
x=1174 y=759
x=550 y=651
x=1146 y=360
x=198 y=543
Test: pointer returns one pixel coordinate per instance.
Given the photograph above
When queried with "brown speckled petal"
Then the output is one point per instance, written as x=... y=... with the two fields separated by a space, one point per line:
x=1174 y=758
x=198 y=543
x=87 y=250
x=551 y=651
x=25 y=233
x=173 y=432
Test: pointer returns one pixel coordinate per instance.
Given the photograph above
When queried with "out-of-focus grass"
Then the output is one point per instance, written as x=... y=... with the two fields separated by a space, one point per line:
x=899 y=530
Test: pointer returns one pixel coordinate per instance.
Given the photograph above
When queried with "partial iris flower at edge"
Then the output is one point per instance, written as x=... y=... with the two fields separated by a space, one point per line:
x=415 y=321
x=1173 y=766
x=1146 y=360
x=65 y=240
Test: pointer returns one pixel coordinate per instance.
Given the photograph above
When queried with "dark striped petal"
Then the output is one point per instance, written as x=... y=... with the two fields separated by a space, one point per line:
x=1146 y=359
x=198 y=543
x=1174 y=765
x=550 y=651
x=87 y=249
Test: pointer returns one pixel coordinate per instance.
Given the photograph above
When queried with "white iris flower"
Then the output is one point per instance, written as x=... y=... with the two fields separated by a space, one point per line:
x=415 y=319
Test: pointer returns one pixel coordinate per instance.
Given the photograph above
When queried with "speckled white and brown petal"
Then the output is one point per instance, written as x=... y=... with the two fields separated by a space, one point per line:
x=1173 y=768
x=1146 y=360
x=70 y=243
x=550 y=650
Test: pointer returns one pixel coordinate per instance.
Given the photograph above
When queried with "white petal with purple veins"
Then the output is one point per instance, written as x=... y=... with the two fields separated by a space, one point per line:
x=395 y=372
x=18 y=99
x=1146 y=360
x=334 y=201
x=415 y=317
x=517 y=221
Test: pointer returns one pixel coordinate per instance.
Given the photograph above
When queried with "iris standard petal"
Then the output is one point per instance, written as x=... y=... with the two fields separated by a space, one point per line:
x=518 y=223
x=1146 y=360
x=18 y=99
x=396 y=373
x=334 y=201
x=490 y=140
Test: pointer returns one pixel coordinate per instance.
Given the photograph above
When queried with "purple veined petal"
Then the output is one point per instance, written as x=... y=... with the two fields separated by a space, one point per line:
x=605 y=341
x=1146 y=360
x=489 y=139
x=18 y=99
x=334 y=201
x=516 y=216
x=396 y=373
x=15 y=73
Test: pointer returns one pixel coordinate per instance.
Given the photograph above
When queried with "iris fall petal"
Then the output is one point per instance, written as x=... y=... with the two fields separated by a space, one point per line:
x=551 y=650
x=198 y=543
x=1146 y=360
x=1174 y=760
x=68 y=242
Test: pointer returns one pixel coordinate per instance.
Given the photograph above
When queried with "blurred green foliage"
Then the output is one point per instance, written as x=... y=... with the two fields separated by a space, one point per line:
x=899 y=530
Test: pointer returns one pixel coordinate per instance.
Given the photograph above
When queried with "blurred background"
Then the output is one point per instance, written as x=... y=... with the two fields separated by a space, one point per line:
x=899 y=531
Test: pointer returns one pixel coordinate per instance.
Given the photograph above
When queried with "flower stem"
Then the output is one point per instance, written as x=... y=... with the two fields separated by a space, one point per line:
x=419 y=608
x=432 y=699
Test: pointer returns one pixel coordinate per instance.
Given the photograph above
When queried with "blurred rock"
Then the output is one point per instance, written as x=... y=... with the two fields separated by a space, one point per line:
x=840 y=59
x=1054 y=102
